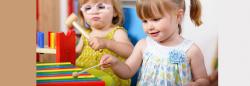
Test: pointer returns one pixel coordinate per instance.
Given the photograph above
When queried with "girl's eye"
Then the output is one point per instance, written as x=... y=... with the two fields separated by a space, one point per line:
x=101 y=7
x=157 y=19
x=144 y=21
x=87 y=8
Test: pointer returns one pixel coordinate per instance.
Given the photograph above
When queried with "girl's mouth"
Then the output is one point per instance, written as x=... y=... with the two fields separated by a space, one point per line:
x=95 y=18
x=154 y=34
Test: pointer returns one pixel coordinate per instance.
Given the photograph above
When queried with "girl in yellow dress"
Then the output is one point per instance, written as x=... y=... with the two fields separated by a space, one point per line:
x=103 y=19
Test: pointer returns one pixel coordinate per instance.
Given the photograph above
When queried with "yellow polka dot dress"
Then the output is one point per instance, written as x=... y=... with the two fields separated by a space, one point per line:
x=90 y=57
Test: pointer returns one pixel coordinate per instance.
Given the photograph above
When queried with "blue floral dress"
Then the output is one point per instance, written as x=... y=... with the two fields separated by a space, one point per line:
x=165 y=66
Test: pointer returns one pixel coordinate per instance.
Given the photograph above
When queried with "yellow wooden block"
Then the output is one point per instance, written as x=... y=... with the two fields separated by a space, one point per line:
x=59 y=70
x=52 y=40
x=49 y=64
x=64 y=77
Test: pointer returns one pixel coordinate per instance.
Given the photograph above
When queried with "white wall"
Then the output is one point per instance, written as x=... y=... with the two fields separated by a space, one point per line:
x=63 y=15
x=206 y=35
x=234 y=41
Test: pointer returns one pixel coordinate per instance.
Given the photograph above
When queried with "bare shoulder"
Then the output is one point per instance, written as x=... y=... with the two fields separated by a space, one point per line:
x=120 y=32
x=136 y=55
x=197 y=63
x=194 y=52
x=121 y=35
x=141 y=43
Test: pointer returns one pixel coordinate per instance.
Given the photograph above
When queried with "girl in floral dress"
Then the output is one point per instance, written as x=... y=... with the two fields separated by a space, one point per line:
x=165 y=57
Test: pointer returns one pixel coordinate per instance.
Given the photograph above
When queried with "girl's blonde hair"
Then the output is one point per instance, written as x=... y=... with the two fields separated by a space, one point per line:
x=149 y=8
x=118 y=20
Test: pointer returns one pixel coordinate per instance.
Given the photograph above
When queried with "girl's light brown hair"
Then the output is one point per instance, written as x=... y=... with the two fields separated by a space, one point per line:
x=151 y=8
x=117 y=20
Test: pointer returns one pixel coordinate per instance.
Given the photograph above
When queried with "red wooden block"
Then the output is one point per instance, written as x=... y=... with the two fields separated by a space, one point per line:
x=49 y=39
x=65 y=47
x=37 y=54
x=89 y=83
x=37 y=57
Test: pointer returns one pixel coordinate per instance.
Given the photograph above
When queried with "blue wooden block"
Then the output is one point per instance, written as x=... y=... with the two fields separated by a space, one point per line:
x=40 y=39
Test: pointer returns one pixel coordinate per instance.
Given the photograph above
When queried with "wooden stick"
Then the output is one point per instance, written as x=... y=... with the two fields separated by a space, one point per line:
x=75 y=74
x=79 y=28
x=71 y=20
x=89 y=68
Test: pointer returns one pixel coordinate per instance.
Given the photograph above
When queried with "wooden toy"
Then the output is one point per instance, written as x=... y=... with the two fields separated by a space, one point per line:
x=65 y=47
x=40 y=39
x=59 y=74
x=71 y=20
x=49 y=39
x=52 y=40
x=76 y=74
x=62 y=45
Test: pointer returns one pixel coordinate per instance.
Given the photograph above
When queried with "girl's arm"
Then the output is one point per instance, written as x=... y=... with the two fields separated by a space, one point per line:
x=79 y=46
x=121 y=44
x=198 y=69
x=129 y=68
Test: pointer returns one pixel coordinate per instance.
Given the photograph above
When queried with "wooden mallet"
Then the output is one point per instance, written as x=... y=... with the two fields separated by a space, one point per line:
x=71 y=20
x=76 y=74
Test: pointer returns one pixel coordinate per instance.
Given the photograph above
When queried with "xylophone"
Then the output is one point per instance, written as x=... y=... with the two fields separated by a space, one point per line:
x=60 y=74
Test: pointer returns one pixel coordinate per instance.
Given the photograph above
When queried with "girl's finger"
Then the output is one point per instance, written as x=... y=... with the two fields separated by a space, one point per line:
x=106 y=65
x=95 y=46
x=104 y=57
x=91 y=42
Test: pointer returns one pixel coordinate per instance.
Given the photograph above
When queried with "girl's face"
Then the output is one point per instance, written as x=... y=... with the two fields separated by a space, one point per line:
x=161 y=28
x=98 y=15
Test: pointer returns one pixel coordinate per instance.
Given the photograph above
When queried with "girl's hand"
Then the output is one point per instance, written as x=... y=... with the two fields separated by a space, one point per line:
x=97 y=43
x=108 y=61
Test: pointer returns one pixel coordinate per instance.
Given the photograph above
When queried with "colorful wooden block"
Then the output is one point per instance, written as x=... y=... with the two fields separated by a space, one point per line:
x=52 y=40
x=49 y=39
x=60 y=74
x=40 y=39
x=65 y=47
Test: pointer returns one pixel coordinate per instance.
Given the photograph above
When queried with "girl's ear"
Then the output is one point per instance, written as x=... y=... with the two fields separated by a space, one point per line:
x=180 y=14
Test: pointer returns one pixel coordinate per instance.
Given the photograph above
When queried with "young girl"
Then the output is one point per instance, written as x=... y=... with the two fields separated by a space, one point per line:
x=102 y=18
x=165 y=57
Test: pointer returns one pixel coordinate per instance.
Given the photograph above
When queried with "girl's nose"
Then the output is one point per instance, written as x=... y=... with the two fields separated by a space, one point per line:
x=150 y=26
